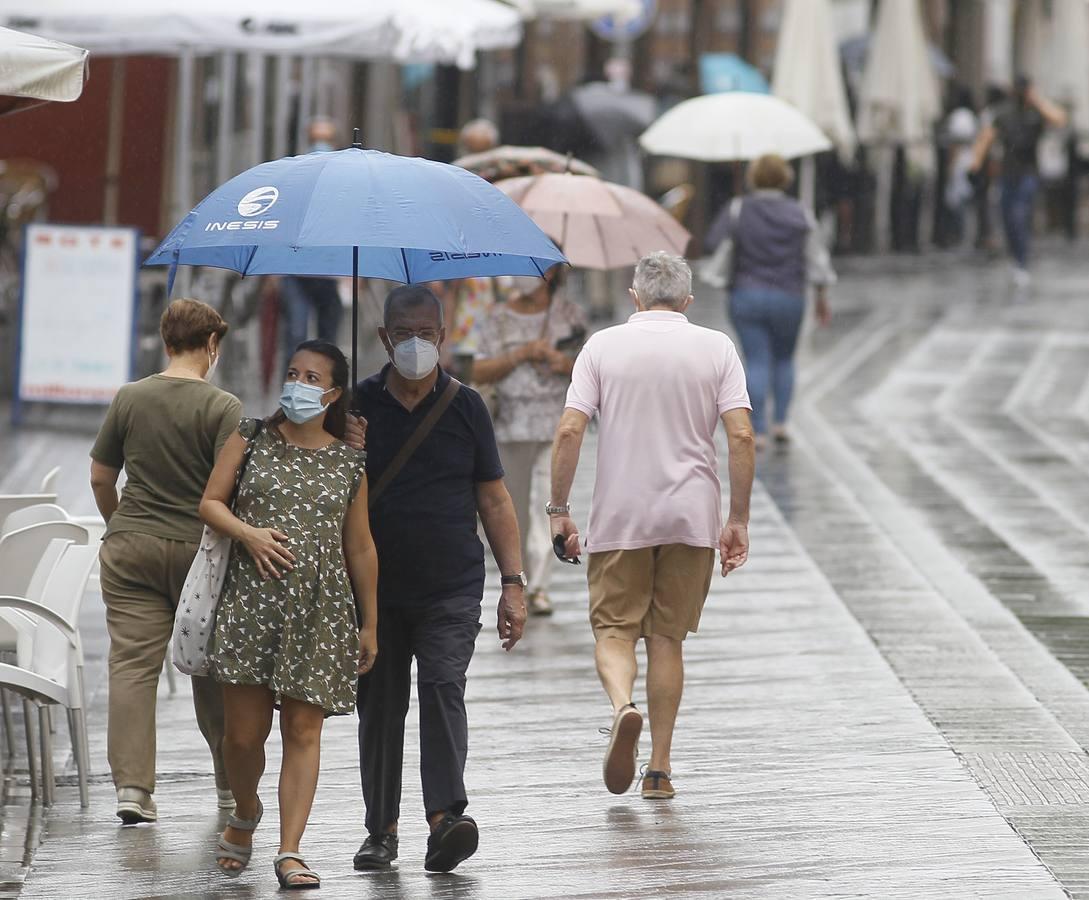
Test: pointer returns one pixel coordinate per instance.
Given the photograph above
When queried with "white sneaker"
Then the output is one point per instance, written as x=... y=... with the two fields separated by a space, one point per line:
x=134 y=805
x=224 y=798
x=1021 y=277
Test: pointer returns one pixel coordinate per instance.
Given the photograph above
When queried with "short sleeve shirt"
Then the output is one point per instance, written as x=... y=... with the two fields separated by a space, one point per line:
x=658 y=385
x=165 y=433
x=1019 y=129
x=425 y=522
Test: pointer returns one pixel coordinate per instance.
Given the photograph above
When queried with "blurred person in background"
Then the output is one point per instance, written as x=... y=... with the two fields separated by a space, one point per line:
x=477 y=136
x=296 y=623
x=165 y=431
x=527 y=350
x=773 y=248
x=959 y=134
x=1017 y=126
x=301 y=296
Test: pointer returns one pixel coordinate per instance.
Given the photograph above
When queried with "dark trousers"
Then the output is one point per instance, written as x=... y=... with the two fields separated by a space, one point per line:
x=1018 y=201
x=441 y=636
x=299 y=296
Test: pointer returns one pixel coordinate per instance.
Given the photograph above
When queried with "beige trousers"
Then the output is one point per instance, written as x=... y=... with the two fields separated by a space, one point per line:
x=527 y=464
x=142 y=577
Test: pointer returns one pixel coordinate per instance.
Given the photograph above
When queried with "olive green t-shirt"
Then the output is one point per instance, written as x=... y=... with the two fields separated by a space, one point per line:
x=165 y=432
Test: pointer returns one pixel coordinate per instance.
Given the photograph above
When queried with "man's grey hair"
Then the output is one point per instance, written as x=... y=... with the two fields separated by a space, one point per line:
x=662 y=279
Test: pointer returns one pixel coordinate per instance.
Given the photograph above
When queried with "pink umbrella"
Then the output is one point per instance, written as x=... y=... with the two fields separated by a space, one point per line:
x=597 y=224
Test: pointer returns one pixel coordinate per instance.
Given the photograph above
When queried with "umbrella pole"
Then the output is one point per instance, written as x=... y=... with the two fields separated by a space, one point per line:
x=355 y=312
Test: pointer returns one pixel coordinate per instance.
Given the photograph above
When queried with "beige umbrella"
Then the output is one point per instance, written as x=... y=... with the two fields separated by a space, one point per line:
x=900 y=101
x=510 y=161
x=900 y=98
x=597 y=224
x=808 y=73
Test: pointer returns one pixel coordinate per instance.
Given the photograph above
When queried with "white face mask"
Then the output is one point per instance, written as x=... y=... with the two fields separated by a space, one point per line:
x=415 y=358
x=213 y=363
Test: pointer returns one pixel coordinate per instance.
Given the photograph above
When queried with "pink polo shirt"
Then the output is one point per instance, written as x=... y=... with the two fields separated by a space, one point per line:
x=658 y=385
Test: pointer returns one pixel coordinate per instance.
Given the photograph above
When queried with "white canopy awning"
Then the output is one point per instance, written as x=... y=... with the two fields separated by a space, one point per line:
x=808 y=73
x=40 y=69
x=576 y=9
x=403 y=30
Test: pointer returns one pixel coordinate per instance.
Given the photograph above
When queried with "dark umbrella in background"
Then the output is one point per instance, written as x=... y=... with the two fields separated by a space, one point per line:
x=614 y=117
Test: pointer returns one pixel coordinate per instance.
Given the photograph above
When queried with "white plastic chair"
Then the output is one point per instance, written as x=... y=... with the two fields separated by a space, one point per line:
x=49 y=482
x=20 y=551
x=13 y=625
x=9 y=503
x=33 y=515
x=49 y=671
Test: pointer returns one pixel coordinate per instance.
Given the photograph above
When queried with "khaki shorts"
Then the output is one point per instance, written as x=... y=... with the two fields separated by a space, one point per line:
x=653 y=590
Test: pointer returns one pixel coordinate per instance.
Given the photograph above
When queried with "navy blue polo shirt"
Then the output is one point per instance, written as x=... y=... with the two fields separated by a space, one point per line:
x=425 y=522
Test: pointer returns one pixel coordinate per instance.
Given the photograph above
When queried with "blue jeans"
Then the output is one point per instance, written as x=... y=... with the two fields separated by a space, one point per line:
x=298 y=295
x=1018 y=200
x=767 y=322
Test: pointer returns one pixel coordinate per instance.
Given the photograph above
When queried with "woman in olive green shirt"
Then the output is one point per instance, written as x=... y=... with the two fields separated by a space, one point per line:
x=165 y=432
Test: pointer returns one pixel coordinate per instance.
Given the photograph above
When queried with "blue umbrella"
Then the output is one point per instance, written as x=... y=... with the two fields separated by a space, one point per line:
x=360 y=213
x=724 y=72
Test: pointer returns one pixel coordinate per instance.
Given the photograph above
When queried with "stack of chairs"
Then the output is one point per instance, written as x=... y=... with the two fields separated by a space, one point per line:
x=46 y=562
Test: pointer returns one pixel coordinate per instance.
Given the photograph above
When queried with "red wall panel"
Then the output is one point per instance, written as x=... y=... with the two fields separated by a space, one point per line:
x=72 y=137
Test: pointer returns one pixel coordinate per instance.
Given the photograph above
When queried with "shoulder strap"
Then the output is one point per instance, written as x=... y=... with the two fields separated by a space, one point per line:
x=246 y=461
x=415 y=439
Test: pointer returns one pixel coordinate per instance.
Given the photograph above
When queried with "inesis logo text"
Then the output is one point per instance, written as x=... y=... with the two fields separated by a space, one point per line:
x=256 y=202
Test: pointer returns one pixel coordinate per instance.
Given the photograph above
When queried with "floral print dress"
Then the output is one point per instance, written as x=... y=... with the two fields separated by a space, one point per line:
x=296 y=634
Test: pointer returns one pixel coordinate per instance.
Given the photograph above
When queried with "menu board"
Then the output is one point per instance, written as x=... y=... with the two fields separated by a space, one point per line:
x=77 y=313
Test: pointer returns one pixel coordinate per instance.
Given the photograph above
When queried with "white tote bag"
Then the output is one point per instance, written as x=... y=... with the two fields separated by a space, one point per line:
x=195 y=619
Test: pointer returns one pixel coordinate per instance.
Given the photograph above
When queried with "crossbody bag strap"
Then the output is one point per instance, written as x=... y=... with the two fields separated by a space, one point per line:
x=415 y=439
x=246 y=461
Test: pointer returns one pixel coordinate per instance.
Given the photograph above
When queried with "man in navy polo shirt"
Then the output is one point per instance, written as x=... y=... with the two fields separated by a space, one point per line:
x=431 y=578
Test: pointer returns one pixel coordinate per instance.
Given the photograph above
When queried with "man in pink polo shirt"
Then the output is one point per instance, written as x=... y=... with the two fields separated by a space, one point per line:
x=659 y=386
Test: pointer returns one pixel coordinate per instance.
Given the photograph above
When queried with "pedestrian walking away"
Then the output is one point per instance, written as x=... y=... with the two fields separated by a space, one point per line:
x=296 y=623
x=1018 y=125
x=659 y=384
x=165 y=431
x=433 y=467
x=527 y=350
x=773 y=247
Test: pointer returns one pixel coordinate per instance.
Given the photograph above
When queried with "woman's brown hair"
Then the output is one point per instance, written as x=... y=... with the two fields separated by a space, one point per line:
x=188 y=324
x=771 y=172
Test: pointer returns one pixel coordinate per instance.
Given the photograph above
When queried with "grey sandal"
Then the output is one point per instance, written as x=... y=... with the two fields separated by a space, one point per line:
x=226 y=850
x=287 y=882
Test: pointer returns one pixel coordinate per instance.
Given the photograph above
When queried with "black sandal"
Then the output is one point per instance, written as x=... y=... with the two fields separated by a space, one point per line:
x=311 y=879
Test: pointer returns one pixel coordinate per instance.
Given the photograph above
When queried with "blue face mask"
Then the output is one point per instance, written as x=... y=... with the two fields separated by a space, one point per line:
x=302 y=402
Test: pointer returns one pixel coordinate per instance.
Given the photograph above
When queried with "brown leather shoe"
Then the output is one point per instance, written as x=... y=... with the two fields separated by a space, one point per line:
x=619 y=768
x=657 y=786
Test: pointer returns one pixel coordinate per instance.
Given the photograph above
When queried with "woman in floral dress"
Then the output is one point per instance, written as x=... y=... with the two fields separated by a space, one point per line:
x=527 y=348
x=296 y=622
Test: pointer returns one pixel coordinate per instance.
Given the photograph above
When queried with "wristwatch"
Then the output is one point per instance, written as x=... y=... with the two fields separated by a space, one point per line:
x=561 y=510
x=519 y=579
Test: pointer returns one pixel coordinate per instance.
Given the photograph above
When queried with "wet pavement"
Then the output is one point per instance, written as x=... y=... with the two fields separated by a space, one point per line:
x=889 y=700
